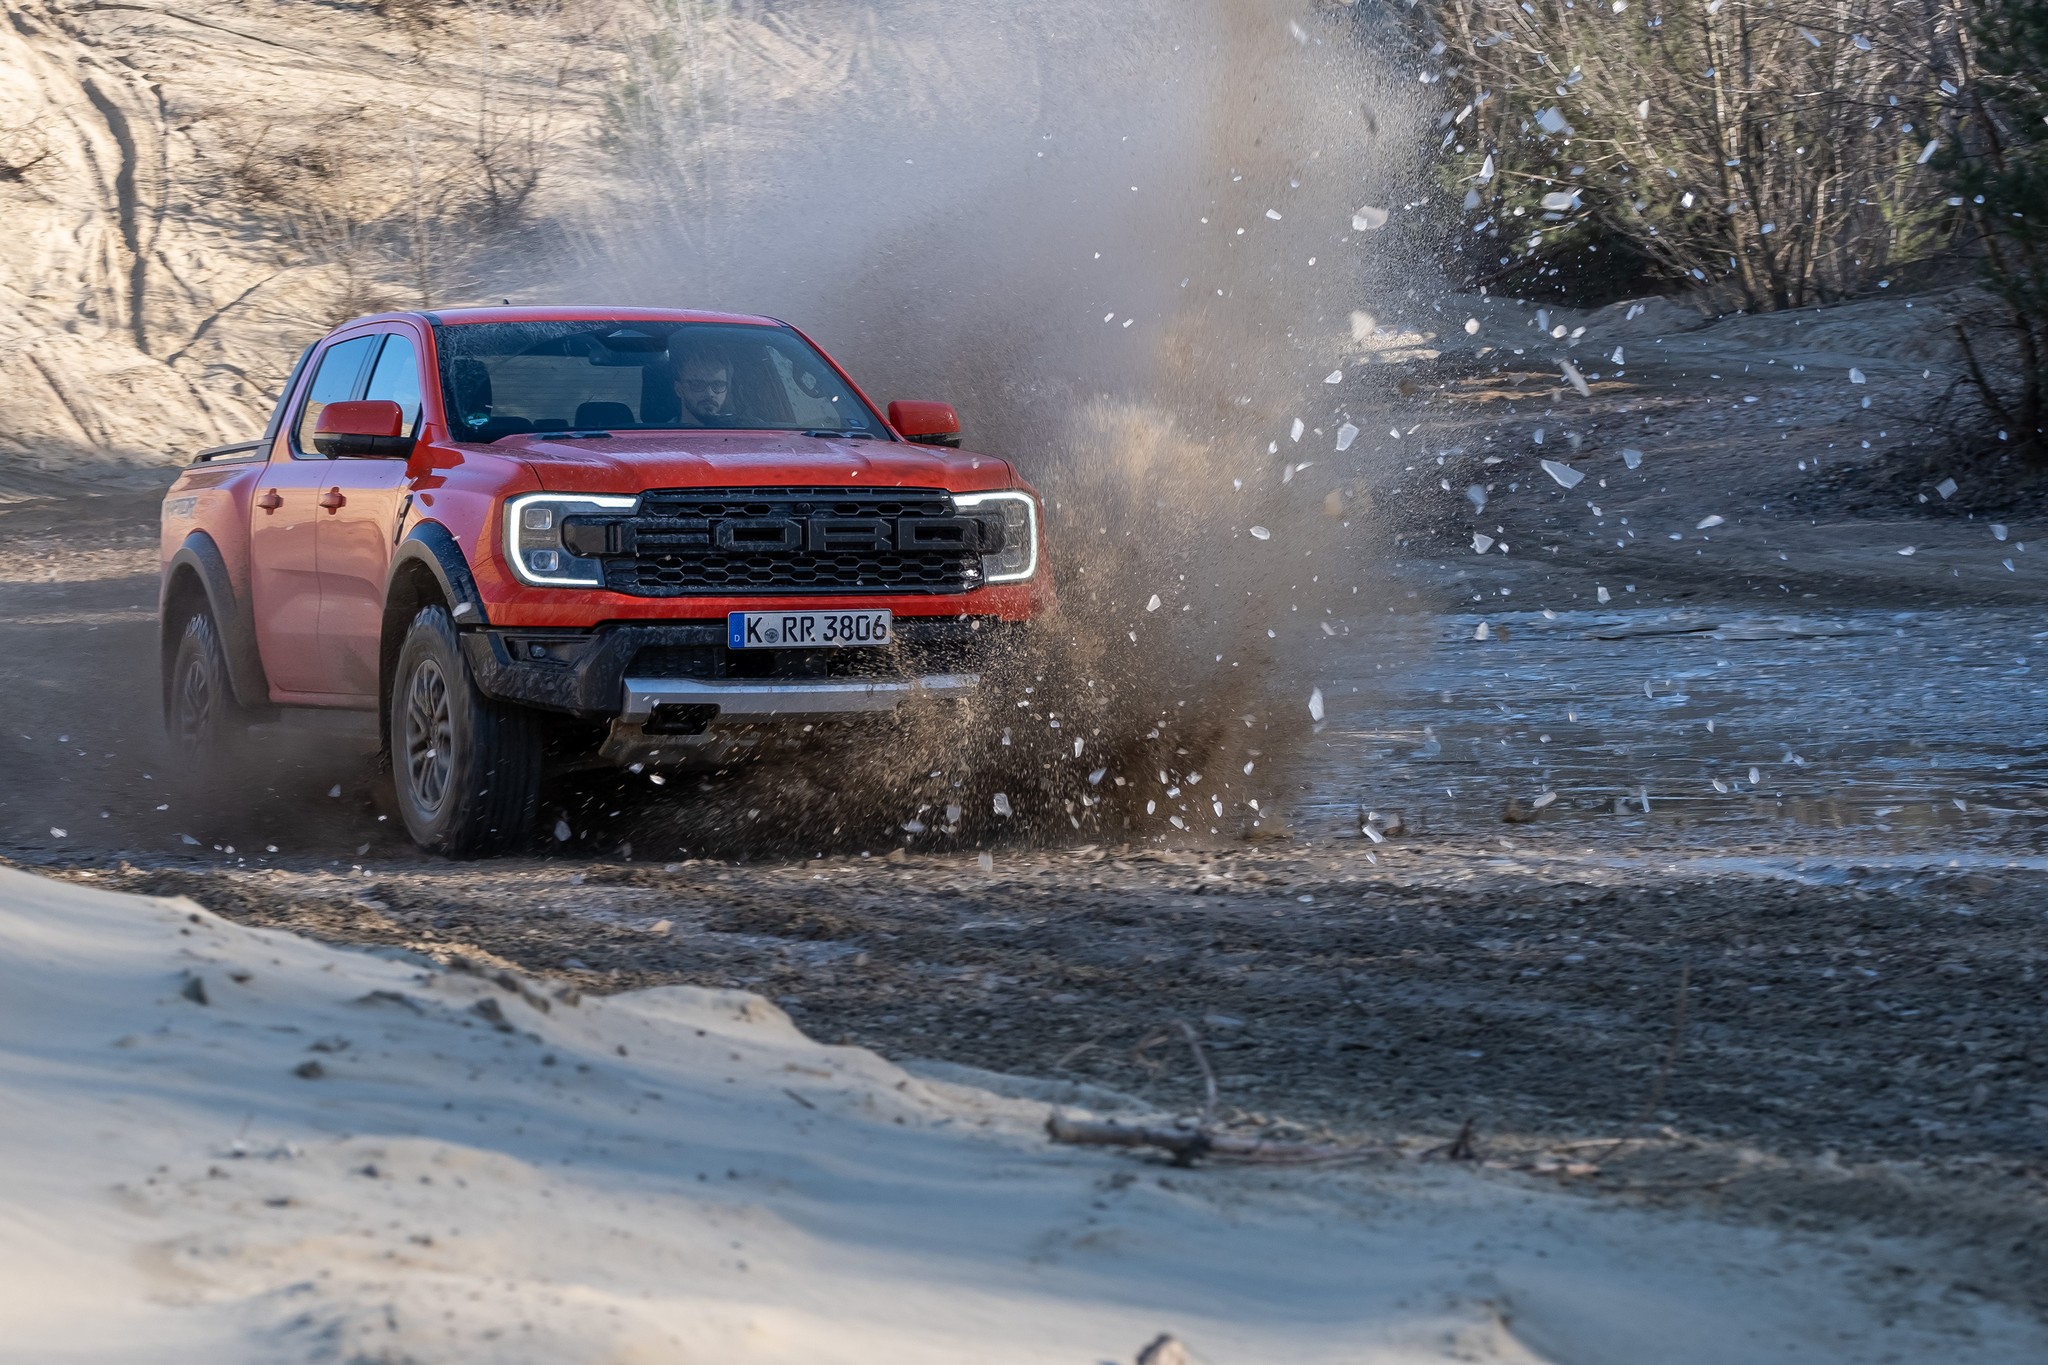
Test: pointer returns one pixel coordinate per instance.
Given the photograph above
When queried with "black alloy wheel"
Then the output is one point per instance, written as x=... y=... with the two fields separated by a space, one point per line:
x=465 y=769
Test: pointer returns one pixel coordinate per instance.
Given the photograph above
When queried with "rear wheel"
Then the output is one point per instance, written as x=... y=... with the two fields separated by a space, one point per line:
x=200 y=710
x=465 y=769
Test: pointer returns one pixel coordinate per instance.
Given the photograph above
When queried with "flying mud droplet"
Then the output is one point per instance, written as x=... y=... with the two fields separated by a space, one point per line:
x=1368 y=219
x=1315 y=704
x=1002 y=803
x=1566 y=476
x=1261 y=533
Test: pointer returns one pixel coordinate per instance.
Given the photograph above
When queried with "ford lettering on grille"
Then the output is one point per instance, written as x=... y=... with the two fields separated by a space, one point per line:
x=795 y=540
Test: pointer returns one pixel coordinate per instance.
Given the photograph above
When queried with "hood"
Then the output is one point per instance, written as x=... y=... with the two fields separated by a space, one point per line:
x=632 y=463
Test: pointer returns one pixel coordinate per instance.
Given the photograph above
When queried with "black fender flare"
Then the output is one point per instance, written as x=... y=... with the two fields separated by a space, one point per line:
x=430 y=547
x=200 y=557
x=433 y=545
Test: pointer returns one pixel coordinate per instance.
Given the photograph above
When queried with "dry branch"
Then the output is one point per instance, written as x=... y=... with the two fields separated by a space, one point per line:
x=1189 y=1145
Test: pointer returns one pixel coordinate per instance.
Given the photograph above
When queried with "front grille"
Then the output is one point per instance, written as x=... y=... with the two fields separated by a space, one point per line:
x=811 y=540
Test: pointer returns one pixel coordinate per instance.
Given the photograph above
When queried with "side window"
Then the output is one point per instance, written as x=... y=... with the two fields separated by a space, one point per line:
x=334 y=382
x=397 y=377
x=282 y=407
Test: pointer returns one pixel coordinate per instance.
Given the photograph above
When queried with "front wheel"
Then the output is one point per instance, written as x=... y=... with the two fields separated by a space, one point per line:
x=466 y=769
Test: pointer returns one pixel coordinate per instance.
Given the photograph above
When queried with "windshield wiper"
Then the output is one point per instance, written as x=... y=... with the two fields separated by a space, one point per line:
x=851 y=433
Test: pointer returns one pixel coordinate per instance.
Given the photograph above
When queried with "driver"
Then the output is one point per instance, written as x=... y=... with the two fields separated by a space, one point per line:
x=704 y=386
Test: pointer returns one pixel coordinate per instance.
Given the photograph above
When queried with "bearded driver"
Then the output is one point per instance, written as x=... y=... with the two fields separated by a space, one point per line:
x=704 y=386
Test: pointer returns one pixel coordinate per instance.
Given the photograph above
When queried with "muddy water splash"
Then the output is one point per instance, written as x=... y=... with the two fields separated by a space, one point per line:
x=1124 y=246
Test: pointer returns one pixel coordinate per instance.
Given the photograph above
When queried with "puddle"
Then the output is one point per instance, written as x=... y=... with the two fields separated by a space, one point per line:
x=1898 y=727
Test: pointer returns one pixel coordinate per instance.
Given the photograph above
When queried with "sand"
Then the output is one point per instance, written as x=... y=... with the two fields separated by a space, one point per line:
x=488 y=1174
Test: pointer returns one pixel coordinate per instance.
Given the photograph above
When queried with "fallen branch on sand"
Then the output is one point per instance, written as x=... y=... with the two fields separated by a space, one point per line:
x=1189 y=1145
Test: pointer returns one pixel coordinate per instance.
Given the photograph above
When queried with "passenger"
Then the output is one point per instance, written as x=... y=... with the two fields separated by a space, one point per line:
x=704 y=386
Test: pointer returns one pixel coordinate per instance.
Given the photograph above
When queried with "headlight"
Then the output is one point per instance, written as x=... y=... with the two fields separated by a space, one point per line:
x=533 y=538
x=1018 y=559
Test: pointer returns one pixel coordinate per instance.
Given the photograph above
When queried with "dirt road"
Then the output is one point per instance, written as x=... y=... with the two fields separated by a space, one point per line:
x=1744 y=866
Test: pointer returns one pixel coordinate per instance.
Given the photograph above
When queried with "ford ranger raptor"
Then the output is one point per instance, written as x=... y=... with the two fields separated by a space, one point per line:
x=526 y=537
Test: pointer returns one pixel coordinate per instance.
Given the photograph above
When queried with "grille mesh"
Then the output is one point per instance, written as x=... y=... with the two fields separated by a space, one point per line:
x=674 y=551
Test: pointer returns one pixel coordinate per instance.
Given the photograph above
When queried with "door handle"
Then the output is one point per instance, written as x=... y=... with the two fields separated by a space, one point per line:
x=270 y=501
x=332 y=500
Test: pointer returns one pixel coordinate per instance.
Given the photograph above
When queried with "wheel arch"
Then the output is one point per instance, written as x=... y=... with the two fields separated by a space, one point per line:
x=197 y=576
x=427 y=568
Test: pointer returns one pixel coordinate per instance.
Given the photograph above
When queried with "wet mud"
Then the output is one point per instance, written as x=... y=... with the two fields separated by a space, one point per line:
x=1740 y=891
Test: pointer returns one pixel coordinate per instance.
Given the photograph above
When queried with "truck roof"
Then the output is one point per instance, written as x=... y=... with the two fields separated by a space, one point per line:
x=572 y=313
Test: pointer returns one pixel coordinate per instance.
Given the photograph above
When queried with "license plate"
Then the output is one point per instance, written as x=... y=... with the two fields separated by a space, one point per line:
x=808 y=629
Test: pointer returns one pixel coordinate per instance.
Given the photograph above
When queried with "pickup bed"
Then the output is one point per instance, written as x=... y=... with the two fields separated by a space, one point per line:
x=634 y=536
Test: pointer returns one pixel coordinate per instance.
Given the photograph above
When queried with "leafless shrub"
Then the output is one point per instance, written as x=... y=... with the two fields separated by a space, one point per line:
x=21 y=151
x=662 y=116
x=414 y=16
x=1998 y=107
x=271 y=168
x=351 y=252
x=403 y=204
x=1775 y=148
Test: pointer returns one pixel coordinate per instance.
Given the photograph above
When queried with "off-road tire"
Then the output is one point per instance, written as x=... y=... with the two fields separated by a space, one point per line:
x=200 y=711
x=465 y=769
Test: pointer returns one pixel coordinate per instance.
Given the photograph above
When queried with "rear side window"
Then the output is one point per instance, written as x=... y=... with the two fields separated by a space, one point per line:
x=333 y=382
x=397 y=378
x=284 y=397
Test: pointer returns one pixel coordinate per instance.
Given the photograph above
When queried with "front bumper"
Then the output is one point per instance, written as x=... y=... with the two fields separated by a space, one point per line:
x=752 y=703
x=679 y=677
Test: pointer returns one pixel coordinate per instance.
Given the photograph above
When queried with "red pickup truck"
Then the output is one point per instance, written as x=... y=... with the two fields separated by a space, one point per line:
x=523 y=534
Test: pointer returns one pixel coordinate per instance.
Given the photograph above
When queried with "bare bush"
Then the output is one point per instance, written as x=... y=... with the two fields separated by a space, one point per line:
x=662 y=115
x=1999 y=107
x=1775 y=149
x=417 y=17
x=404 y=204
x=21 y=151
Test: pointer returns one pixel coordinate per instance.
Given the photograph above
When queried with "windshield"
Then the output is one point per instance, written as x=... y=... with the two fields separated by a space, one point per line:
x=504 y=378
